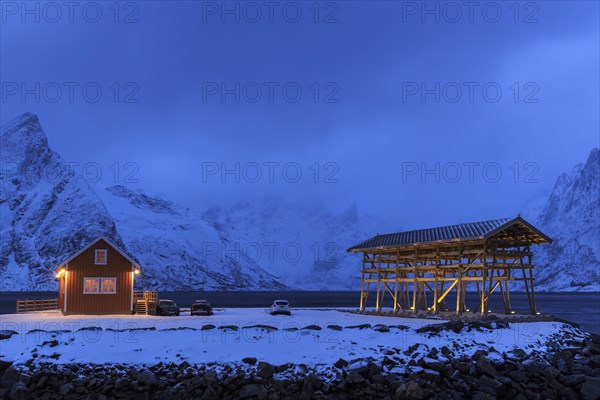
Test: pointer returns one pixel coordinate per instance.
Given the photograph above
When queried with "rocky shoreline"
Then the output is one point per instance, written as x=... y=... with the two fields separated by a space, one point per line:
x=569 y=370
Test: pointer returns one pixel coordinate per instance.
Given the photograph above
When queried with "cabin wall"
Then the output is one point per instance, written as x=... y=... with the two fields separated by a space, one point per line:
x=83 y=266
x=61 y=293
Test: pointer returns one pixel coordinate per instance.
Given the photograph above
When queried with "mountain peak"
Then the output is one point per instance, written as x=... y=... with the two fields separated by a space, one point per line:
x=25 y=148
x=27 y=119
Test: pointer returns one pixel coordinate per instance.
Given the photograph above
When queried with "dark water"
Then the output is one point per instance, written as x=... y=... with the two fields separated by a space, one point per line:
x=581 y=308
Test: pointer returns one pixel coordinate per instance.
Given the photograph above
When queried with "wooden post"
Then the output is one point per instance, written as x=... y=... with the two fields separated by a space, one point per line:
x=396 y=287
x=533 y=306
x=377 y=304
x=459 y=290
x=483 y=279
x=362 y=285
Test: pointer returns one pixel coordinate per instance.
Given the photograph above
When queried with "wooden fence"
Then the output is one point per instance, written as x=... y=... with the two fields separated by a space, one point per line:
x=37 y=305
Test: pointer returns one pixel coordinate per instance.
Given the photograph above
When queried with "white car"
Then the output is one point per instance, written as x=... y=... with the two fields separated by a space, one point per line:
x=281 y=307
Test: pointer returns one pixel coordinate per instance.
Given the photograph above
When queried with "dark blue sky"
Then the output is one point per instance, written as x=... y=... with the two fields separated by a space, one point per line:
x=388 y=89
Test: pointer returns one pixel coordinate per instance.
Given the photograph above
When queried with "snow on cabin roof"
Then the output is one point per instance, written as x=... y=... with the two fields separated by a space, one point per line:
x=93 y=242
x=459 y=232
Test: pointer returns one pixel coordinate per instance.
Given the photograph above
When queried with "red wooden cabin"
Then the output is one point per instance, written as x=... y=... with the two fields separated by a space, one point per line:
x=98 y=279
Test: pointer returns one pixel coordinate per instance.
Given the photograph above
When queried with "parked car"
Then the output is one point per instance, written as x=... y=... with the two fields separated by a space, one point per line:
x=281 y=307
x=167 y=307
x=202 y=307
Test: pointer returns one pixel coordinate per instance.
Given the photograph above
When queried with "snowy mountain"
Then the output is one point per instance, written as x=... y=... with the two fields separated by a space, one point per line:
x=178 y=248
x=47 y=212
x=571 y=216
x=301 y=243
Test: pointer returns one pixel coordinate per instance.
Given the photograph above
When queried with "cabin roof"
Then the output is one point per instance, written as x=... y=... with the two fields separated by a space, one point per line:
x=460 y=232
x=93 y=242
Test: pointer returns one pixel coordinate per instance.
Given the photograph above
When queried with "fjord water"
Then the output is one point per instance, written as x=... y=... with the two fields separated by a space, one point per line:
x=580 y=308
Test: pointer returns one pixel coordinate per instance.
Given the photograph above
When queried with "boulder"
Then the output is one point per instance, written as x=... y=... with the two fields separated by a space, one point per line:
x=9 y=377
x=354 y=378
x=19 y=391
x=4 y=366
x=147 y=378
x=249 y=360
x=252 y=390
x=66 y=389
x=265 y=370
x=484 y=367
x=590 y=388
x=410 y=390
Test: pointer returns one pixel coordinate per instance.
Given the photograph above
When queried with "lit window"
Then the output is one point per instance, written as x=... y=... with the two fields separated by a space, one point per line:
x=100 y=285
x=108 y=286
x=101 y=256
x=91 y=285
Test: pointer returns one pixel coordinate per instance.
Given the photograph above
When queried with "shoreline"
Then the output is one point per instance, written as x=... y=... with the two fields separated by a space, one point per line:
x=570 y=370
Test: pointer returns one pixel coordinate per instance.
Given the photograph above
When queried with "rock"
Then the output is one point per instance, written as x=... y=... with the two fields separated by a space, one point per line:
x=249 y=360
x=361 y=326
x=261 y=326
x=184 y=365
x=439 y=367
x=355 y=378
x=19 y=391
x=25 y=379
x=359 y=366
x=283 y=367
x=207 y=327
x=489 y=385
x=340 y=363
x=454 y=326
x=571 y=380
x=9 y=377
x=6 y=334
x=590 y=389
x=121 y=383
x=411 y=349
x=485 y=367
x=479 y=353
x=312 y=328
x=265 y=370
x=252 y=390
x=334 y=327
x=66 y=389
x=410 y=390
x=147 y=378
x=229 y=327
x=455 y=375
x=563 y=360
x=381 y=328
x=210 y=394
x=518 y=354
x=4 y=366
x=210 y=376
x=594 y=362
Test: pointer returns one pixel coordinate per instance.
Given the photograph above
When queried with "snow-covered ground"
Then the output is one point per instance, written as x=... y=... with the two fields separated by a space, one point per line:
x=310 y=336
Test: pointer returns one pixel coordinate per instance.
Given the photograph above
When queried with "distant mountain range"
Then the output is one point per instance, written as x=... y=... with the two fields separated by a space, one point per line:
x=571 y=216
x=264 y=244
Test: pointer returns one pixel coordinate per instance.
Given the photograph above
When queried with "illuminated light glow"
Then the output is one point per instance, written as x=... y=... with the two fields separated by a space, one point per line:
x=136 y=271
